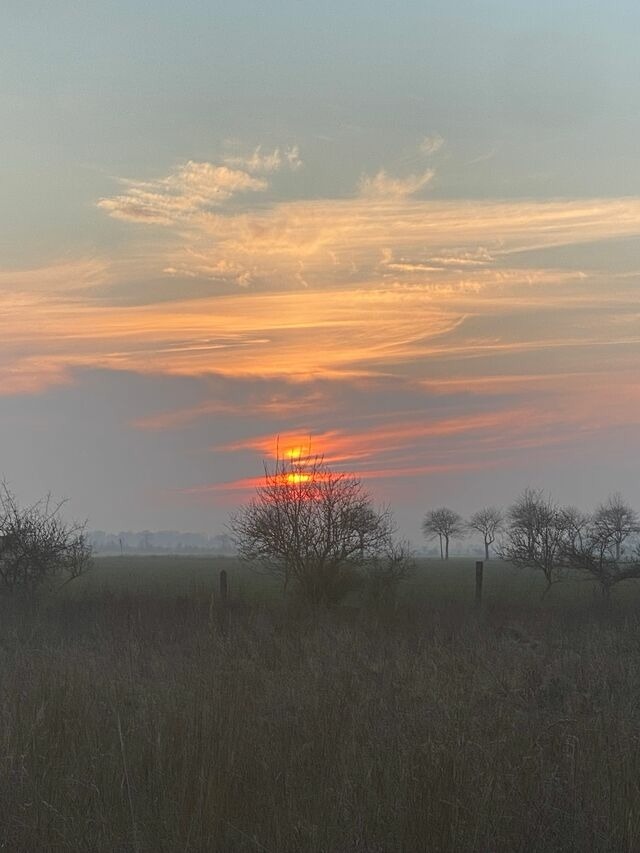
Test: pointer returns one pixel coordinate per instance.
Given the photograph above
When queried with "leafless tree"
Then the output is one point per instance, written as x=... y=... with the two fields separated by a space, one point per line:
x=314 y=528
x=563 y=541
x=535 y=535
x=488 y=521
x=615 y=521
x=593 y=554
x=37 y=547
x=577 y=525
x=444 y=523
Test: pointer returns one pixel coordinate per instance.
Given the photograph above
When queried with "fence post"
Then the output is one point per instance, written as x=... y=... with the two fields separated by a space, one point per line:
x=479 y=570
x=224 y=603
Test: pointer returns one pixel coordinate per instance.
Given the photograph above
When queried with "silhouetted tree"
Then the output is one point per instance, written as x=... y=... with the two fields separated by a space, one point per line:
x=576 y=523
x=487 y=521
x=561 y=541
x=314 y=528
x=615 y=521
x=37 y=546
x=444 y=523
x=535 y=535
x=594 y=553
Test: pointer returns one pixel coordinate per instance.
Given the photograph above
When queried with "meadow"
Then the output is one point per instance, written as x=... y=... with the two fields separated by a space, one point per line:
x=129 y=722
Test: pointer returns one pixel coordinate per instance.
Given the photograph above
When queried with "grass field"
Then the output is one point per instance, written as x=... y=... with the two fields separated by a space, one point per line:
x=130 y=724
x=434 y=582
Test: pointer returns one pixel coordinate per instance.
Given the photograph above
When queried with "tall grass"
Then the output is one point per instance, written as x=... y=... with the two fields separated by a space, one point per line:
x=128 y=723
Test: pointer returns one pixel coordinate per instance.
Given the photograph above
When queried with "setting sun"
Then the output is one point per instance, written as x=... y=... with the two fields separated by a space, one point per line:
x=295 y=478
x=296 y=453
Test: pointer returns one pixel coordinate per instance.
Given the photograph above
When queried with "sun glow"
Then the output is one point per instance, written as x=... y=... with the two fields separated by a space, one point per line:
x=296 y=453
x=295 y=478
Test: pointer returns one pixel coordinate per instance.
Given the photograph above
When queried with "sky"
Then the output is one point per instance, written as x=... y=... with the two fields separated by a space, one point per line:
x=405 y=234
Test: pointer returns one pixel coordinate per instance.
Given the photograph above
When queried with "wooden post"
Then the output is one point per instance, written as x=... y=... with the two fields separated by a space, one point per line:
x=224 y=603
x=479 y=569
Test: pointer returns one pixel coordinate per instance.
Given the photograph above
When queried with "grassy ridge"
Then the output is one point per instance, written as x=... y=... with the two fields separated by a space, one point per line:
x=130 y=724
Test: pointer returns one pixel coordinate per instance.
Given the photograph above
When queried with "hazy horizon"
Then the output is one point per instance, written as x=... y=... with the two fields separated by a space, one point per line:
x=409 y=236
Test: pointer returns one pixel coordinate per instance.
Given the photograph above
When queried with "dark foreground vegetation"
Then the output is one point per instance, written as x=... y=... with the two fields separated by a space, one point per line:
x=130 y=724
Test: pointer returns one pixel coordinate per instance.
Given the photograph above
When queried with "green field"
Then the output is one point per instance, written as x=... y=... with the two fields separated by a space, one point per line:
x=129 y=722
x=435 y=582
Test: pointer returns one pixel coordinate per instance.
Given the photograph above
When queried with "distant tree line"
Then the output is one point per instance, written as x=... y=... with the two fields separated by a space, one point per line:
x=160 y=542
x=558 y=541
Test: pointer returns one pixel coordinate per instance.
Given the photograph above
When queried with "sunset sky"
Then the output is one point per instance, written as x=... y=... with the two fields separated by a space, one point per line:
x=407 y=232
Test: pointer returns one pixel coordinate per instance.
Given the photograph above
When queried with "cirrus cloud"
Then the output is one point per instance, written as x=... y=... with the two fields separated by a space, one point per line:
x=192 y=188
x=267 y=161
x=486 y=301
x=382 y=185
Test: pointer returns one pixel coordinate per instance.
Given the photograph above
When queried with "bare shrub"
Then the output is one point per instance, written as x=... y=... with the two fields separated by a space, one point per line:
x=37 y=546
x=386 y=571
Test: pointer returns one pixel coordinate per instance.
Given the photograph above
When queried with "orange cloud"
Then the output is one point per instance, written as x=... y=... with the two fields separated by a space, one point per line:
x=333 y=241
x=385 y=186
x=401 y=444
x=433 y=294
x=245 y=486
x=266 y=334
x=340 y=446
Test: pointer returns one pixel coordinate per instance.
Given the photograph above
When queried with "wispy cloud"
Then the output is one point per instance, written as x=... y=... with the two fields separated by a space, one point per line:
x=268 y=334
x=267 y=161
x=334 y=287
x=198 y=187
x=192 y=188
x=458 y=260
x=330 y=242
x=241 y=488
x=497 y=349
x=360 y=447
x=66 y=278
x=382 y=185
x=431 y=144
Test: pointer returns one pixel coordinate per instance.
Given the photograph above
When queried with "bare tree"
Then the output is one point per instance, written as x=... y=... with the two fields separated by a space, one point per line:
x=444 y=523
x=488 y=521
x=615 y=521
x=37 y=546
x=312 y=527
x=562 y=541
x=535 y=535
x=577 y=525
x=592 y=554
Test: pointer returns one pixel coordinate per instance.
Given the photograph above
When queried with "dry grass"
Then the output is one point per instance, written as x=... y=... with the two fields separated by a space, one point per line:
x=129 y=724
